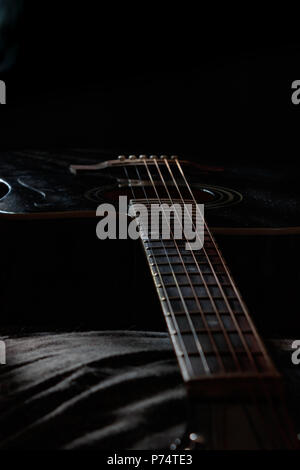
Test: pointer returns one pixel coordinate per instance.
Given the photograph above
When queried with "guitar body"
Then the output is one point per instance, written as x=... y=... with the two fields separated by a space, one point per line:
x=48 y=191
x=46 y=203
x=239 y=198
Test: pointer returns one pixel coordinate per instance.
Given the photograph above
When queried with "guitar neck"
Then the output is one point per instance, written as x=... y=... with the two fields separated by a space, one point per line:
x=211 y=330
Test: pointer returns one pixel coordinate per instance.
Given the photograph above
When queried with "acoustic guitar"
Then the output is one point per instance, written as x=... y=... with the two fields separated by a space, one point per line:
x=236 y=395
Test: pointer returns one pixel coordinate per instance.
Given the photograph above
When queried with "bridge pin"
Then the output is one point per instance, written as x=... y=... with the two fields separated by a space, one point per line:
x=121 y=157
x=132 y=157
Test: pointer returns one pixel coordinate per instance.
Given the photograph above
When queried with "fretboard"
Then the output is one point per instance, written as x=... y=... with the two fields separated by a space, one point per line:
x=208 y=322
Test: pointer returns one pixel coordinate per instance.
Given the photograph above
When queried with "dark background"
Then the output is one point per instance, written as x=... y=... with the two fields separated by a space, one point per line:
x=213 y=81
x=215 y=84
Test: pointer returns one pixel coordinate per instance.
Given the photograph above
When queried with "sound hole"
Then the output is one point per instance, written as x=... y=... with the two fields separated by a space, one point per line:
x=213 y=197
x=203 y=196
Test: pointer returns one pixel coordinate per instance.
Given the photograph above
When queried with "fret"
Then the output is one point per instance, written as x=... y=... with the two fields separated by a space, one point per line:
x=210 y=329
x=214 y=324
x=196 y=279
x=213 y=321
x=227 y=359
x=179 y=268
x=189 y=290
x=162 y=246
x=166 y=260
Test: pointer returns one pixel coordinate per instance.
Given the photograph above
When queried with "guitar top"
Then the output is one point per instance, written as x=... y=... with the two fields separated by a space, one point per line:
x=221 y=356
x=238 y=198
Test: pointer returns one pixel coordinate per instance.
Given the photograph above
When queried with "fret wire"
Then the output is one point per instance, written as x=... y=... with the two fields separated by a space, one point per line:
x=189 y=265
x=258 y=338
x=213 y=243
x=178 y=263
x=183 y=347
x=241 y=353
x=215 y=297
x=271 y=364
x=215 y=330
x=209 y=279
x=210 y=264
x=230 y=345
x=196 y=297
x=185 y=352
x=188 y=296
x=206 y=281
x=198 y=344
x=186 y=284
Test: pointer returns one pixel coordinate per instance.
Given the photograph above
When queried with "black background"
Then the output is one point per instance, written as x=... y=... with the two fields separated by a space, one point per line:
x=199 y=79
x=142 y=79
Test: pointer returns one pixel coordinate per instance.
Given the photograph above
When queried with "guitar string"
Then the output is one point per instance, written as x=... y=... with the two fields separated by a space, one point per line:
x=171 y=201
x=132 y=191
x=173 y=273
x=253 y=329
x=233 y=317
x=203 y=316
x=170 y=309
x=167 y=191
x=229 y=276
x=233 y=285
x=160 y=201
x=157 y=194
x=243 y=408
x=225 y=333
x=242 y=303
x=194 y=333
x=174 y=181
